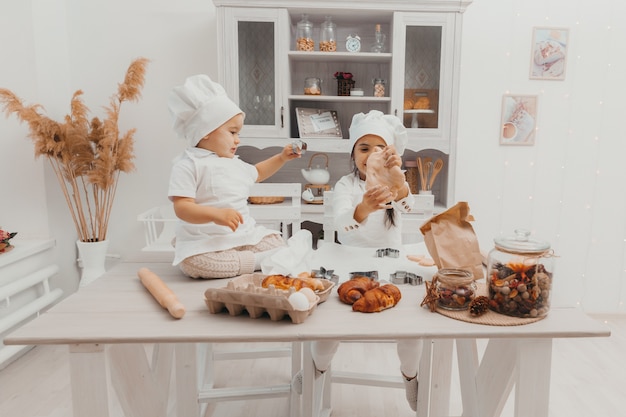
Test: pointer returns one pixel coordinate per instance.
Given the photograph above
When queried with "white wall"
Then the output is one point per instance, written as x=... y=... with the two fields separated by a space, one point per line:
x=567 y=188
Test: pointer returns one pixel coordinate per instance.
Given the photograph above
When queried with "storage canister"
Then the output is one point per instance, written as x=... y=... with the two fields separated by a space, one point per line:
x=519 y=276
x=304 y=35
x=455 y=288
x=328 y=41
x=379 y=87
x=412 y=175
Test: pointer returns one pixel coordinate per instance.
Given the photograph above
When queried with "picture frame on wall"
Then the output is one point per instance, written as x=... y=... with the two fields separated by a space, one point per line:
x=318 y=123
x=518 y=123
x=549 y=53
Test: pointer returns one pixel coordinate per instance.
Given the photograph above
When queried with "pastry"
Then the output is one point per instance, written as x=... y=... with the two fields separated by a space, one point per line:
x=350 y=291
x=378 y=299
x=408 y=104
x=283 y=282
x=422 y=103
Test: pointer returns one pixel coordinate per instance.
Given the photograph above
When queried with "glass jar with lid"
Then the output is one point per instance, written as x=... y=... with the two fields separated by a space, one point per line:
x=328 y=41
x=379 y=87
x=312 y=86
x=455 y=288
x=304 y=35
x=519 y=276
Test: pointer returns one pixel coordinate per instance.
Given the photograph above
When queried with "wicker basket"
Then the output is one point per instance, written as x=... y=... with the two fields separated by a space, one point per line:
x=344 y=86
x=266 y=200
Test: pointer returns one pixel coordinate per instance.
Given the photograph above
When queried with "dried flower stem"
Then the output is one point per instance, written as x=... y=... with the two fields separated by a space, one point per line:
x=86 y=156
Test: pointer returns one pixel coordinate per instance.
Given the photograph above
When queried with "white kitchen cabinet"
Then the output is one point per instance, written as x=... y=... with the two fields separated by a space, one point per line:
x=262 y=70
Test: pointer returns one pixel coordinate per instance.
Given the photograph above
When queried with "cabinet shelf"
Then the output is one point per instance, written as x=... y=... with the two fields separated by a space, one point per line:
x=355 y=57
x=340 y=99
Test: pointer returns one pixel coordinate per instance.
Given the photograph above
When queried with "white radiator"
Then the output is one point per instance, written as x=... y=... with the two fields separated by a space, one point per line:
x=36 y=283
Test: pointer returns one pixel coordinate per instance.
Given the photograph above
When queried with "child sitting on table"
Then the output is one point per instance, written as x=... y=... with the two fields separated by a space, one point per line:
x=370 y=216
x=209 y=186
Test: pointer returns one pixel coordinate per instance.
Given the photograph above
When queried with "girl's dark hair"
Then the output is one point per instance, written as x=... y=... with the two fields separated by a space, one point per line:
x=390 y=216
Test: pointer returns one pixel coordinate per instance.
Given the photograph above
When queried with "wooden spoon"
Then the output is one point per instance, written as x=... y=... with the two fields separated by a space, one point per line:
x=436 y=168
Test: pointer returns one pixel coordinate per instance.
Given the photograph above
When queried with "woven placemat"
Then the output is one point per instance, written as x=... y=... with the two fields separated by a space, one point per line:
x=490 y=318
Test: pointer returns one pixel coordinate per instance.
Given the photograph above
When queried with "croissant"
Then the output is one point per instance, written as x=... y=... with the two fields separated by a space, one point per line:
x=283 y=282
x=378 y=299
x=352 y=290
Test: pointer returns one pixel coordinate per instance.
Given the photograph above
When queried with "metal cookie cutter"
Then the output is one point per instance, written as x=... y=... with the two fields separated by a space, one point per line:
x=324 y=273
x=403 y=277
x=391 y=253
x=370 y=274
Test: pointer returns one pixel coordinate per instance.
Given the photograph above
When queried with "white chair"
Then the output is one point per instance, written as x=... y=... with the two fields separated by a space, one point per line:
x=159 y=223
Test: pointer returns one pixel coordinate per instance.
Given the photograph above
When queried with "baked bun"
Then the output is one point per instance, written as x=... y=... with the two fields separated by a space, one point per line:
x=352 y=290
x=378 y=299
x=408 y=104
x=422 y=103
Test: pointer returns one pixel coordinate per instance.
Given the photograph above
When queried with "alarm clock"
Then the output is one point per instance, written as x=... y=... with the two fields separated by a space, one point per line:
x=353 y=43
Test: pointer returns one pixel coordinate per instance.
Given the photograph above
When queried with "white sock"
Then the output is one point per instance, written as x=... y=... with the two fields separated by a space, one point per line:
x=322 y=352
x=409 y=353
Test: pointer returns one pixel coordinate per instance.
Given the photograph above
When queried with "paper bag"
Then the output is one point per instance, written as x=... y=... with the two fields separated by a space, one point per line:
x=293 y=258
x=451 y=241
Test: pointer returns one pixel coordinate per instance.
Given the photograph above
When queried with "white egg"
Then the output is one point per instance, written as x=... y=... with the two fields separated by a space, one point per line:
x=299 y=301
x=309 y=293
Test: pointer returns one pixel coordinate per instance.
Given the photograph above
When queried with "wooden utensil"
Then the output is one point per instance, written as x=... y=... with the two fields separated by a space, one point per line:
x=422 y=173
x=436 y=168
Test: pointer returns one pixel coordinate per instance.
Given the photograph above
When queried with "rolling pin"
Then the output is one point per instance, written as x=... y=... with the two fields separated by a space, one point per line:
x=166 y=298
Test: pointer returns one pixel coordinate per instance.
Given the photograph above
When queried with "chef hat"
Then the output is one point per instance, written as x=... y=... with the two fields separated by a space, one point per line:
x=387 y=126
x=198 y=107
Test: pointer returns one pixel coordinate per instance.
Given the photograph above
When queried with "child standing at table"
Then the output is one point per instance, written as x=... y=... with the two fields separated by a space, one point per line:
x=209 y=186
x=370 y=216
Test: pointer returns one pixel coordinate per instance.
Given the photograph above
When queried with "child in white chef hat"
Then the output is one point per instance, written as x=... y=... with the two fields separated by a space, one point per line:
x=209 y=185
x=368 y=215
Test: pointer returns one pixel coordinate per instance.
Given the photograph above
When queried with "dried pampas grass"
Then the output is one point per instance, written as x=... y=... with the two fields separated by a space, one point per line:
x=87 y=156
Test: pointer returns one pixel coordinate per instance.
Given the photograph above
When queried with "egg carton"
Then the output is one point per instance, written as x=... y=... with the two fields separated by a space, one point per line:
x=246 y=293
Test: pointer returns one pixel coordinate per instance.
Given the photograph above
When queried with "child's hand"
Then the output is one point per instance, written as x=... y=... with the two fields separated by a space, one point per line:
x=377 y=198
x=288 y=153
x=391 y=157
x=228 y=217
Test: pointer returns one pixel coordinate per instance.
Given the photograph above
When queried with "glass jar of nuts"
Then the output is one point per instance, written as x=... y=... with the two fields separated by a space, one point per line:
x=328 y=41
x=519 y=276
x=304 y=35
x=455 y=288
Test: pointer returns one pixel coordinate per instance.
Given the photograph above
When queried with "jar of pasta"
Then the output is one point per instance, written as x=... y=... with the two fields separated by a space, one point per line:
x=304 y=35
x=455 y=288
x=328 y=41
x=379 y=87
x=519 y=276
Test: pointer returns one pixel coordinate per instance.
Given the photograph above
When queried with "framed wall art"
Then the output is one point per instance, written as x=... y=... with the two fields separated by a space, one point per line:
x=549 y=53
x=318 y=123
x=519 y=119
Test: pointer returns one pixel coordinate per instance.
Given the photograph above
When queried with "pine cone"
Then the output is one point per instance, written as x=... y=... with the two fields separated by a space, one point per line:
x=479 y=306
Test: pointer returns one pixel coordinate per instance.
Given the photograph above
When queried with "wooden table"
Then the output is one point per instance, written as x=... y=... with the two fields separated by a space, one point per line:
x=116 y=310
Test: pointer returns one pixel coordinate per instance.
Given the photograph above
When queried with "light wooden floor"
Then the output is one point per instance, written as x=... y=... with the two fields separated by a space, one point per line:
x=588 y=379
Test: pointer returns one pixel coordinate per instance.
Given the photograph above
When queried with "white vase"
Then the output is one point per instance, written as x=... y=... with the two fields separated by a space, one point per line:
x=91 y=257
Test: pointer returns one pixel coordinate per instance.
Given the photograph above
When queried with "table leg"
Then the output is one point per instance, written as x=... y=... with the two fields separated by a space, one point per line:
x=88 y=380
x=186 y=380
x=467 y=359
x=532 y=388
x=435 y=372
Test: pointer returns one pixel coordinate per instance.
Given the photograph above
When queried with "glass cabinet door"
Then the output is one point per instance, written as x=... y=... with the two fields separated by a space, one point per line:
x=423 y=74
x=250 y=68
